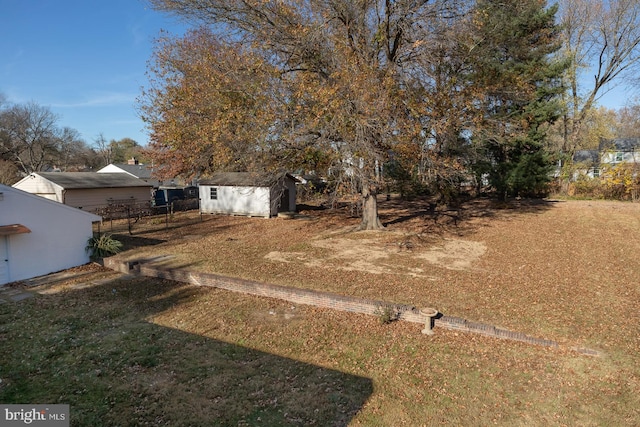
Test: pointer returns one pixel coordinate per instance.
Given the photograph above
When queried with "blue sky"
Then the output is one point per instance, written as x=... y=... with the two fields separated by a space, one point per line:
x=84 y=59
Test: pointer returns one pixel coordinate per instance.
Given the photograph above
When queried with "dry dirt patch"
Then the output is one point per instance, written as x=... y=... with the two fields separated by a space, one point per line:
x=383 y=253
x=455 y=254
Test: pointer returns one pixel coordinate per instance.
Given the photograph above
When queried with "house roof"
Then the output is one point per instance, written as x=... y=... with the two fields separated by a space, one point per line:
x=586 y=156
x=620 y=144
x=140 y=171
x=244 y=179
x=46 y=203
x=85 y=180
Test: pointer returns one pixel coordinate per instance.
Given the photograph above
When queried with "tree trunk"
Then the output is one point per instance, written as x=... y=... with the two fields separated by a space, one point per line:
x=370 y=220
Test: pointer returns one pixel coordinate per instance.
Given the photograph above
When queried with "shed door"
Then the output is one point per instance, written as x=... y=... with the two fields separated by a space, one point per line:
x=4 y=260
x=284 y=202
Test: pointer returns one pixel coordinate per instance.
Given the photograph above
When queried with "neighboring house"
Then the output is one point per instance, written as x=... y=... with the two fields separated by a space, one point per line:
x=619 y=150
x=39 y=236
x=588 y=162
x=240 y=193
x=610 y=152
x=135 y=169
x=89 y=191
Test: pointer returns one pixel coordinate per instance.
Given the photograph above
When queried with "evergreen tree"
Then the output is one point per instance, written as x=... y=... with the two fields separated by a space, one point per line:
x=517 y=79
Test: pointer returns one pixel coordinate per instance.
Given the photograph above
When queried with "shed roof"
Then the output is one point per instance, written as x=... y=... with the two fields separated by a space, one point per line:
x=245 y=179
x=85 y=180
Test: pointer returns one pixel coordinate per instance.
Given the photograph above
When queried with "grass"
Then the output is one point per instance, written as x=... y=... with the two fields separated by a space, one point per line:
x=97 y=350
x=149 y=352
x=158 y=353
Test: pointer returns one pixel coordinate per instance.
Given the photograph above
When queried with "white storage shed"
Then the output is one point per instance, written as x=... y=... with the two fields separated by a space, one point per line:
x=243 y=193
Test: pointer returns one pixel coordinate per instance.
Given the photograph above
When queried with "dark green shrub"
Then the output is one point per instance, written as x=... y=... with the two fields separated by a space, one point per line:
x=103 y=245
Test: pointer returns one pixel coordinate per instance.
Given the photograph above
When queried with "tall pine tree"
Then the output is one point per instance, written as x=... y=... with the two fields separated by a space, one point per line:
x=517 y=78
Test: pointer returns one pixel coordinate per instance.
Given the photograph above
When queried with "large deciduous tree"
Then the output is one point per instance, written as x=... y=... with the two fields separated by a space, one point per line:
x=602 y=39
x=29 y=136
x=72 y=152
x=103 y=149
x=628 y=122
x=290 y=76
x=209 y=105
x=265 y=85
x=32 y=141
x=124 y=150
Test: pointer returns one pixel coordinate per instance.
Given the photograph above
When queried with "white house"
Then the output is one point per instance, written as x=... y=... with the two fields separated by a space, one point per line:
x=89 y=191
x=620 y=150
x=134 y=168
x=39 y=236
x=241 y=193
x=610 y=152
x=588 y=162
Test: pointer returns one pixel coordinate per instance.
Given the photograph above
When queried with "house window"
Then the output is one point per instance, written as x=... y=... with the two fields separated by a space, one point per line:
x=213 y=193
x=619 y=157
x=596 y=173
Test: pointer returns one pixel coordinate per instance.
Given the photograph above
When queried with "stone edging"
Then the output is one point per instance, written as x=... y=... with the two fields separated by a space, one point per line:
x=323 y=299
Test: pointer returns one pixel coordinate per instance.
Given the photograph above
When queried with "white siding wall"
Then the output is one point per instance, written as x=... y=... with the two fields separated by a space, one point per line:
x=253 y=201
x=37 y=185
x=626 y=157
x=58 y=235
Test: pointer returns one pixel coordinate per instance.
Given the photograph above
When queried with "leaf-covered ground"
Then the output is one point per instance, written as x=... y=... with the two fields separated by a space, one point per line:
x=562 y=270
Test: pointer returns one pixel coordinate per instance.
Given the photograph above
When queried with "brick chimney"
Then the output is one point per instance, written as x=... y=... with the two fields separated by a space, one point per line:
x=132 y=161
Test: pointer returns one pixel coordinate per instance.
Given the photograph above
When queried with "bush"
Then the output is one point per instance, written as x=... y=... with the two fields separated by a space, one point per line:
x=103 y=245
x=622 y=182
x=387 y=314
x=588 y=188
x=619 y=182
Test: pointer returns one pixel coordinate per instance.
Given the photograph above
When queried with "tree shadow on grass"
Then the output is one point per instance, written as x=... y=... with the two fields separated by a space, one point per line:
x=155 y=234
x=132 y=242
x=426 y=216
x=97 y=349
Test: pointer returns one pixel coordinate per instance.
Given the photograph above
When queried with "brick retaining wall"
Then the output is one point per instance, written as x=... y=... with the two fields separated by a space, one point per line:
x=321 y=299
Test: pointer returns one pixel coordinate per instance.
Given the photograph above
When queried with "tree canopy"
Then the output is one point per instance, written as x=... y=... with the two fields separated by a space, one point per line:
x=291 y=77
x=602 y=40
x=519 y=84
x=31 y=140
x=353 y=85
